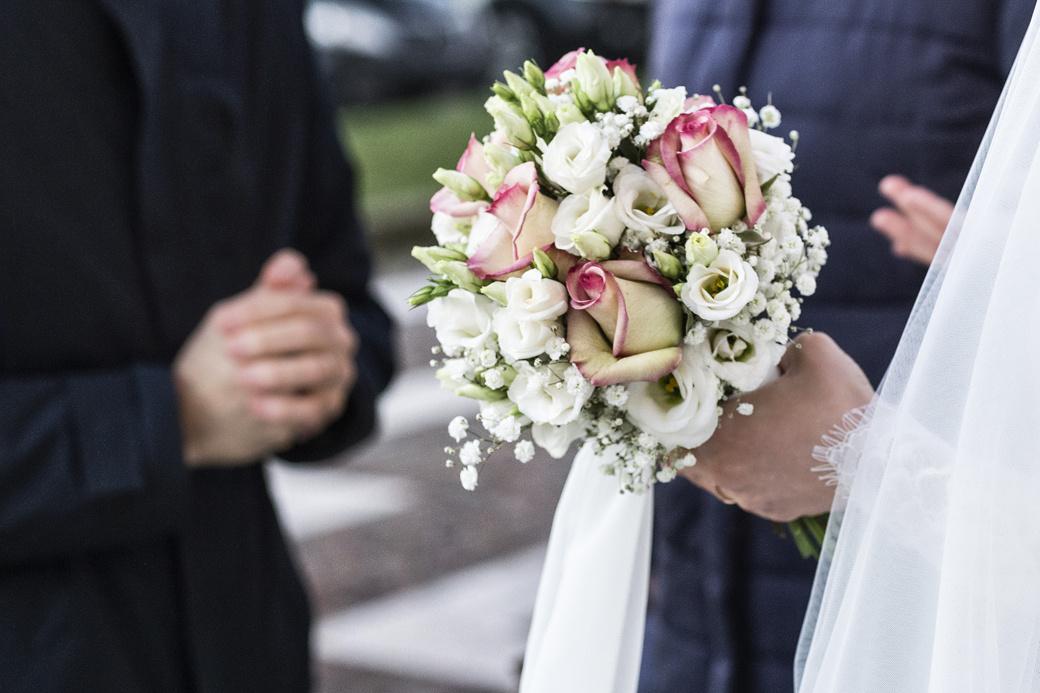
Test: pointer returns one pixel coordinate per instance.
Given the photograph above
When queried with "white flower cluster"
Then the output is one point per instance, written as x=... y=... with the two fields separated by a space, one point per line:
x=587 y=287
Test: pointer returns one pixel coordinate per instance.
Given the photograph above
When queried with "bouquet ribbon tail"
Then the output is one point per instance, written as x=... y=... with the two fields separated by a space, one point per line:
x=587 y=629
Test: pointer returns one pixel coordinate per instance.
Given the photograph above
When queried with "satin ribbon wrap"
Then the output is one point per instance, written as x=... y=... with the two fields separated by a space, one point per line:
x=587 y=630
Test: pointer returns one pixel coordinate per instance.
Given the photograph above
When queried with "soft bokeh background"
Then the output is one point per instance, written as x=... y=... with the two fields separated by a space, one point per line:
x=419 y=586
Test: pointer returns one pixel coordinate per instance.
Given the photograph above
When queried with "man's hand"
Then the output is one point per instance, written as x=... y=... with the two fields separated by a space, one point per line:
x=265 y=369
x=763 y=462
x=916 y=225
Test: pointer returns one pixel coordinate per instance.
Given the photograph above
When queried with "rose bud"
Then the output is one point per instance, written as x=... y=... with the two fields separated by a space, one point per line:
x=524 y=217
x=705 y=165
x=625 y=324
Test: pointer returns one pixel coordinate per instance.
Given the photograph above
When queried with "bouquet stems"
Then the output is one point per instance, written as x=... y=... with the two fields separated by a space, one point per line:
x=807 y=534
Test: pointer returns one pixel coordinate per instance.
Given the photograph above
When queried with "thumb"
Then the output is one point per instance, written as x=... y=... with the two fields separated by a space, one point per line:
x=287 y=270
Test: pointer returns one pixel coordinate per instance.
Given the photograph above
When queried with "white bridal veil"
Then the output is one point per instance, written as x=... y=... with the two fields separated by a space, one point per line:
x=930 y=581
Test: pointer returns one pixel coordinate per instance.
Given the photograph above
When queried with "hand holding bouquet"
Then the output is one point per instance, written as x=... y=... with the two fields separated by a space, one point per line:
x=612 y=263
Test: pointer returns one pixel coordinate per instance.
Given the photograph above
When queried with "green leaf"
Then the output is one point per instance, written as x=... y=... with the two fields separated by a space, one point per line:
x=752 y=238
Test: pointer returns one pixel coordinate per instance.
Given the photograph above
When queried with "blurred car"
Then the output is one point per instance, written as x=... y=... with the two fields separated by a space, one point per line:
x=377 y=49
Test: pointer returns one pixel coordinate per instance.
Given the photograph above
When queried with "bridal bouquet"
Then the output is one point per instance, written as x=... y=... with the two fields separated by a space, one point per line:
x=612 y=264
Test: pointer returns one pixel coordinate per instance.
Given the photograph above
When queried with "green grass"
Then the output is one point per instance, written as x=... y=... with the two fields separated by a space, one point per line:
x=397 y=146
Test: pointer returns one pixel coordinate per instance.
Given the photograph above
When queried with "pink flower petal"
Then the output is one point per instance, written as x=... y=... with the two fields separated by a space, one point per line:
x=447 y=202
x=473 y=164
x=734 y=123
x=689 y=211
x=567 y=62
x=594 y=358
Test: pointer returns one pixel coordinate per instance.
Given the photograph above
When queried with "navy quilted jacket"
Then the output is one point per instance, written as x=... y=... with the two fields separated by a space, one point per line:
x=874 y=87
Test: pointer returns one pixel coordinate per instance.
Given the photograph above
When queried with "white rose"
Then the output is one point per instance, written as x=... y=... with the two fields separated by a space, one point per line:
x=535 y=297
x=577 y=157
x=740 y=357
x=772 y=155
x=461 y=319
x=522 y=339
x=450 y=230
x=556 y=440
x=682 y=412
x=484 y=225
x=720 y=290
x=542 y=394
x=642 y=205
x=579 y=215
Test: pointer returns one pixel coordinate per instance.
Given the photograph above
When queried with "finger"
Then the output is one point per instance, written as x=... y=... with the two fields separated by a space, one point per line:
x=309 y=371
x=262 y=304
x=287 y=269
x=289 y=336
x=926 y=208
x=303 y=412
x=908 y=240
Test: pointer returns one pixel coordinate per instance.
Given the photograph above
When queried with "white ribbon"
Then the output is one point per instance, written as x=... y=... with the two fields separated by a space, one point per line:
x=587 y=630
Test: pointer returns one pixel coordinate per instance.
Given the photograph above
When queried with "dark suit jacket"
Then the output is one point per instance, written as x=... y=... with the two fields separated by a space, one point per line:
x=874 y=87
x=153 y=153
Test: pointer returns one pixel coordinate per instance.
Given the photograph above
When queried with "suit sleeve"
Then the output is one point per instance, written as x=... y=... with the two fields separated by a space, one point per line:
x=88 y=461
x=1011 y=29
x=333 y=240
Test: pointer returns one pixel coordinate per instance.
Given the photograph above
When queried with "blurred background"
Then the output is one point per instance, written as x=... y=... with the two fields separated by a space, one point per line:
x=417 y=585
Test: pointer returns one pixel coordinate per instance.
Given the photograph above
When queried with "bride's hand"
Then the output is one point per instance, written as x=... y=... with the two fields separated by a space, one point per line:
x=763 y=462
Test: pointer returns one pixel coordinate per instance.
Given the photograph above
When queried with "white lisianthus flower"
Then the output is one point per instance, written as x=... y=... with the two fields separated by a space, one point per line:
x=577 y=158
x=532 y=296
x=524 y=451
x=772 y=155
x=680 y=410
x=522 y=339
x=468 y=478
x=556 y=440
x=458 y=428
x=720 y=290
x=581 y=215
x=740 y=357
x=542 y=393
x=450 y=230
x=461 y=319
x=642 y=205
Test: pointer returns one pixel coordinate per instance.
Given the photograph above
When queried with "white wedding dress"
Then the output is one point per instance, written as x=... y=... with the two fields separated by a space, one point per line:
x=930 y=579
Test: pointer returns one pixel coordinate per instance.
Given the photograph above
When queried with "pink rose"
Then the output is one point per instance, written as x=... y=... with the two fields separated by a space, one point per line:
x=628 y=68
x=625 y=324
x=570 y=60
x=567 y=62
x=703 y=161
x=471 y=163
x=524 y=223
